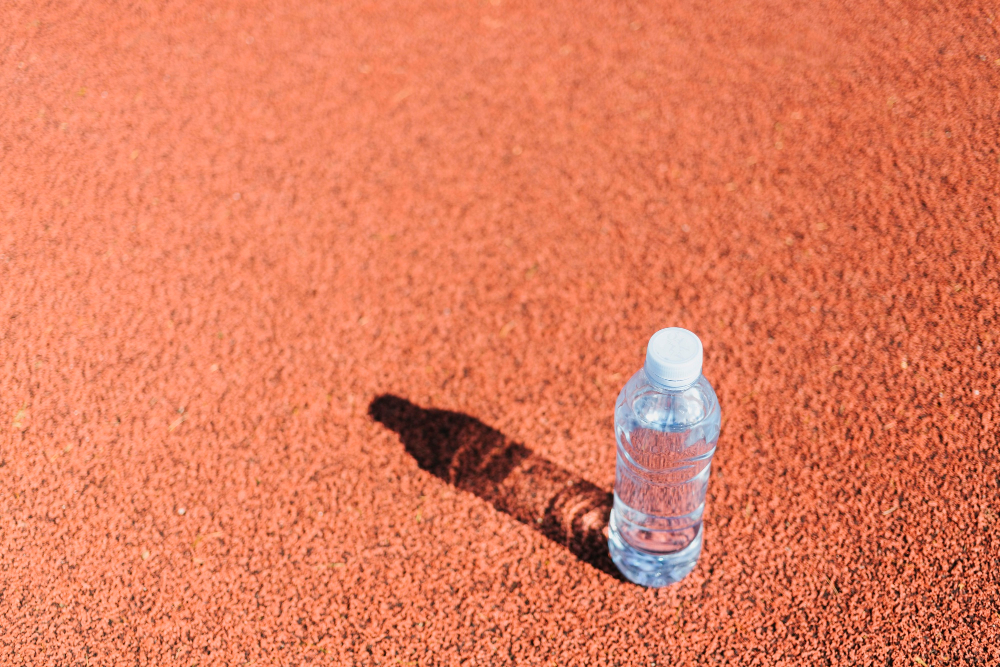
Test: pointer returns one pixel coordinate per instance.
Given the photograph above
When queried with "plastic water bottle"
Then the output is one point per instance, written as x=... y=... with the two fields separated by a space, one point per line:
x=667 y=421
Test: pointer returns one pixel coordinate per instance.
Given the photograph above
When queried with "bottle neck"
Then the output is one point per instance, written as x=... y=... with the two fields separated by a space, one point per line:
x=670 y=386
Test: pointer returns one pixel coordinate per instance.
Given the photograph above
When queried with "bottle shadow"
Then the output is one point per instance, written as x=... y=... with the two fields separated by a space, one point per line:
x=471 y=456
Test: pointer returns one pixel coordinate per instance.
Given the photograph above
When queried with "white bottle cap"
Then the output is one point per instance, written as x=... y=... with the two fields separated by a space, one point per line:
x=673 y=358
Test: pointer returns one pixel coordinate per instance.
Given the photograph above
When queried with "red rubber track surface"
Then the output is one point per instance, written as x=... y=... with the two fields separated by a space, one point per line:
x=311 y=313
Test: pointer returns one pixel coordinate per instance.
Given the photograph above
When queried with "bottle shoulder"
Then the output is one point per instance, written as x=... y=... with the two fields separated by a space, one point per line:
x=642 y=404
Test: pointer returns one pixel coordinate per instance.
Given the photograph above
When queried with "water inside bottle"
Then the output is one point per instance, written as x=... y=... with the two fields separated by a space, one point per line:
x=665 y=445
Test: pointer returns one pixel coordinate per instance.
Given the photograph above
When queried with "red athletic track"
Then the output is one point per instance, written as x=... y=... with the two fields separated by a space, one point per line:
x=247 y=250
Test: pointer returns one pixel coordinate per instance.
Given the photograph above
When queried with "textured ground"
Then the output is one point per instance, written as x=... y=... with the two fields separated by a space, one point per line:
x=264 y=267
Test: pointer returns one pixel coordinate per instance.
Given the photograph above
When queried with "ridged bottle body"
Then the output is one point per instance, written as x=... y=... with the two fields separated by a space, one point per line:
x=666 y=439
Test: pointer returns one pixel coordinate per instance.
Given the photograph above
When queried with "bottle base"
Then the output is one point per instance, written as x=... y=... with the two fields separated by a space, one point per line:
x=653 y=570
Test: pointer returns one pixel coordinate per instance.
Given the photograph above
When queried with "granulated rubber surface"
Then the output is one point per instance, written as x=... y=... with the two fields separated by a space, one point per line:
x=313 y=316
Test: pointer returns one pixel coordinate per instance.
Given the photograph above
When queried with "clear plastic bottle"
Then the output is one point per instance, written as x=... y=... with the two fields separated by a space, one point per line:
x=667 y=421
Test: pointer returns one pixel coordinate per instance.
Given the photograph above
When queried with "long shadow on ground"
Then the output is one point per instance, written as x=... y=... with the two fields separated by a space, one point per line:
x=471 y=456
